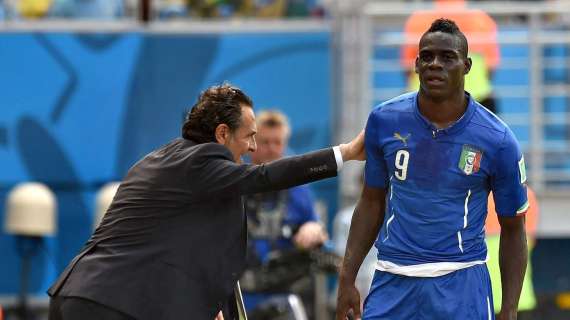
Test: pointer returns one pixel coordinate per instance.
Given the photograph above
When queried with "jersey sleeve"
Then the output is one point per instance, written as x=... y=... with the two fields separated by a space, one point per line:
x=375 y=171
x=509 y=180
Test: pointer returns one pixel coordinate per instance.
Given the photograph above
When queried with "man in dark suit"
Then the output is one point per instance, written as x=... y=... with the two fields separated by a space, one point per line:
x=172 y=244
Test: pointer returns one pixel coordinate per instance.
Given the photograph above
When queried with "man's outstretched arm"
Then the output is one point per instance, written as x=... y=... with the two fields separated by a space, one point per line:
x=366 y=222
x=513 y=257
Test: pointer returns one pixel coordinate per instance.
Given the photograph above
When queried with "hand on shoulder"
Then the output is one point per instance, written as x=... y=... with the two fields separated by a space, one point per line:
x=354 y=150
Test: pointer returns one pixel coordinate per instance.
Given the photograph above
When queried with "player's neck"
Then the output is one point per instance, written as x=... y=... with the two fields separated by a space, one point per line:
x=443 y=112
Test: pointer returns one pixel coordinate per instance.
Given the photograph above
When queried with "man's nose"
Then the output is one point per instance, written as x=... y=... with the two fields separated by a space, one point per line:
x=252 y=145
x=436 y=62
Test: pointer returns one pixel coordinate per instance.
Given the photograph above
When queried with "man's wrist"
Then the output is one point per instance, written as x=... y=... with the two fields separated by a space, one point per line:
x=344 y=278
x=508 y=313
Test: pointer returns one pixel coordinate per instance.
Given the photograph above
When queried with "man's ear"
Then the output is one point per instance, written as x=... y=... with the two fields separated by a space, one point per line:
x=416 y=69
x=222 y=133
x=468 y=64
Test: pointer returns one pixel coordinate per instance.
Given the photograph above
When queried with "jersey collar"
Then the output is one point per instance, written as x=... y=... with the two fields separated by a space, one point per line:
x=454 y=127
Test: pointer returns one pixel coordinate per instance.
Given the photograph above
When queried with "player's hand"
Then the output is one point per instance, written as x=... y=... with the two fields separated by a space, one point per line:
x=348 y=302
x=220 y=316
x=310 y=235
x=354 y=150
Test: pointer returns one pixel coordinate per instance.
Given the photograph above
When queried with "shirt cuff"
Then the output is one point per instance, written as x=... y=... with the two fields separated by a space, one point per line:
x=338 y=158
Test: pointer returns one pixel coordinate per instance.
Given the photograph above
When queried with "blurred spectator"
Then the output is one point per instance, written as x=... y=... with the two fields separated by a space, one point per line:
x=264 y=8
x=33 y=8
x=168 y=9
x=255 y=8
x=205 y=8
x=527 y=300
x=90 y=9
x=2 y=13
x=247 y=8
x=341 y=228
x=298 y=8
x=481 y=32
x=282 y=220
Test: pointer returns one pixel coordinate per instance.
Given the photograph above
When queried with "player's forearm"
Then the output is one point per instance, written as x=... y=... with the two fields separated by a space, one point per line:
x=366 y=221
x=513 y=257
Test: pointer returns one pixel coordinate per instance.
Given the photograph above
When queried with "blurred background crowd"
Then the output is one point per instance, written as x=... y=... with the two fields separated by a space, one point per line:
x=87 y=87
x=165 y=9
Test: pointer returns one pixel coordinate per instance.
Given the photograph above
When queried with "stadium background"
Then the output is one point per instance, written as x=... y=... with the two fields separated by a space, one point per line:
x=81 y=101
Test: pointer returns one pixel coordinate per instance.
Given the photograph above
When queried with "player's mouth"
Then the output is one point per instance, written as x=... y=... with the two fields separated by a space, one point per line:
x=435 y=80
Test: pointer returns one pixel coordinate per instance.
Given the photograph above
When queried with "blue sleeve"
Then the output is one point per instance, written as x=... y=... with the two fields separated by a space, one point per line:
x=375 y=171
x=301 y=205
x=509 y=179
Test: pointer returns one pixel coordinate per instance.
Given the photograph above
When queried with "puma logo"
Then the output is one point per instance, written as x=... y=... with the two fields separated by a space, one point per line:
x=404 y=140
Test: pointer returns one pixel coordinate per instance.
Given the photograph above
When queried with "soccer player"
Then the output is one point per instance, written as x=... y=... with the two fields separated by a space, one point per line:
x=433 y=157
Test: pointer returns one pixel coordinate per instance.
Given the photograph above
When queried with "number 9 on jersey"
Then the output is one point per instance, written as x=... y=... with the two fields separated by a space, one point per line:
x=401 y=163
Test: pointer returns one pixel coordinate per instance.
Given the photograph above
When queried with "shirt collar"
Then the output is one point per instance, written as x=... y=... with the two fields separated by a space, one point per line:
x=454 y=127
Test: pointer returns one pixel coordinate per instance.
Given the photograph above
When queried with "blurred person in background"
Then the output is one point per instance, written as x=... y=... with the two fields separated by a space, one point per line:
x=238 y=8
x=33 y=9
x=433 y=156
x=170 y=9
x=527 y=302
x=264 y=8
x=270 y=9
x=293 y=208
x=279 y=220
x=209 y=8
x=172 y=244
x=88 y=9
x=481 y=32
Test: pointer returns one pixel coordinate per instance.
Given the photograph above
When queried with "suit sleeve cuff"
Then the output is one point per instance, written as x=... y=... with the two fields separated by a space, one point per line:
x=338 y=158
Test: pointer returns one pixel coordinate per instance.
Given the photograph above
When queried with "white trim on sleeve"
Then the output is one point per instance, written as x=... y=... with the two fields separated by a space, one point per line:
x=338 y=158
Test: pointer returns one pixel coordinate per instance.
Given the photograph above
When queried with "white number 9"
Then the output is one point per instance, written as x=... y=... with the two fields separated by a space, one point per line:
x=401 y=163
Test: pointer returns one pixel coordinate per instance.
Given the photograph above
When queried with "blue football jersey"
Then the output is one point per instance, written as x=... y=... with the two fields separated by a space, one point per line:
x=438 y=181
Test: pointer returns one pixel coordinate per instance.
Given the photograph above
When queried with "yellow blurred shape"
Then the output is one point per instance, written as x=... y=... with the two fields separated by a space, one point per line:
x=34 y=8
x=563 y=301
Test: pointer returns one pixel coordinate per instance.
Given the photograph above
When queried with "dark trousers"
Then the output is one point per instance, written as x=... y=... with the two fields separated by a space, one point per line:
x=72 y=308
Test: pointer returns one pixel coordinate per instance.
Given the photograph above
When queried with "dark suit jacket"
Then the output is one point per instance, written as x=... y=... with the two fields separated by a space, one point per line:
x=172 y=244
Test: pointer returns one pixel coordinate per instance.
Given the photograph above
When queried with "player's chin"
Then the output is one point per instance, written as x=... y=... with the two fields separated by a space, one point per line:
x=436 y=92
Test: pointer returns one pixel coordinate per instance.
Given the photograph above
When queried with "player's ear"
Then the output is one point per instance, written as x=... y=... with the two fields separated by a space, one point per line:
x=416 y=68
x=222 y=133
x=468 y=64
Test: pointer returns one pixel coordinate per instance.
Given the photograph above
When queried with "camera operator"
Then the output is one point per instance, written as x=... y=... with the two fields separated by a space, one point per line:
x=278 y=221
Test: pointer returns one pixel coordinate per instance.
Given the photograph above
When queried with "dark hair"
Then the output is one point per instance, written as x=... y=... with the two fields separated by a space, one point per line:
x=216 y=105
x=449 y=26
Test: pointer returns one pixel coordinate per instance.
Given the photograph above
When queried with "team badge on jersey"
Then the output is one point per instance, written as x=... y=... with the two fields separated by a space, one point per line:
x=470 y=160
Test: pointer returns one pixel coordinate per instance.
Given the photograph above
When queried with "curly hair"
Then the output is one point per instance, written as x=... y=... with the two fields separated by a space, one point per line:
x=216 y=105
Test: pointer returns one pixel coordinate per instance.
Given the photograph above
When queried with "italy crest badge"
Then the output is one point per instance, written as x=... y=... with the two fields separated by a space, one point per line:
x=470 y=160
